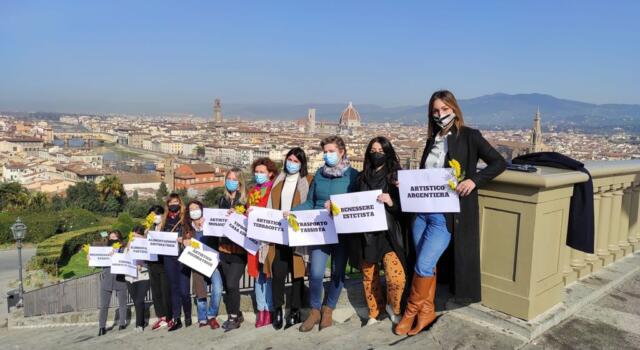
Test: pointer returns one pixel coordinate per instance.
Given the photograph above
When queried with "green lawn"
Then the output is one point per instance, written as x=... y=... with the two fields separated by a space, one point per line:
x=77 y=266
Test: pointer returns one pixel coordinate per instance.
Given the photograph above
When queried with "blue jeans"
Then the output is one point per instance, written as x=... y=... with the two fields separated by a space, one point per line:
x=431 y=238
x=263 y=292
x=205 y=313
x=319 y=256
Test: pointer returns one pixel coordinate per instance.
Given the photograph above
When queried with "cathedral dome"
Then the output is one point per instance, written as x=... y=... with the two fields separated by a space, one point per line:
x=349 y=116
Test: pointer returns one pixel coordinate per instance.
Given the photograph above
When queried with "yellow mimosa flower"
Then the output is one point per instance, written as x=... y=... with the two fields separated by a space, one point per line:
x=85 y=248
x=195 y=244
x=335 y=209
x=293 y=221
x=116 y=245
x=240 y=209
x=452 y=184
x=149 y=220
x=131 y=236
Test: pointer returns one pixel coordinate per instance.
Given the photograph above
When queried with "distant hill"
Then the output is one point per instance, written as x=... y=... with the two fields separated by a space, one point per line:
x=496 y=110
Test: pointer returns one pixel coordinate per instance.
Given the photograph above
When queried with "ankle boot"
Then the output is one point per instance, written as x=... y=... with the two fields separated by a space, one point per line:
x=102 y=331
x=416 y=299
x=327 y=319
x=267 y=318
x=278 y=318
x=293 y=318
x=311 y=321
x=260 y=319
x=427 y=313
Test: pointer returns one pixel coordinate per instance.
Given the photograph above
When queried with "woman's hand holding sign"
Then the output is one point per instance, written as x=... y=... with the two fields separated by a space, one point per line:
x=386 y=199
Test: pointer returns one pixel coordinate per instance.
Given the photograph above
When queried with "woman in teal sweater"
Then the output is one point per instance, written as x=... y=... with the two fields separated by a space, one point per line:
x=336 y=176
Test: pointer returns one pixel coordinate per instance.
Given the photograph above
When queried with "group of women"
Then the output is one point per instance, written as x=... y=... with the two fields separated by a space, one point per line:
x=408 y=251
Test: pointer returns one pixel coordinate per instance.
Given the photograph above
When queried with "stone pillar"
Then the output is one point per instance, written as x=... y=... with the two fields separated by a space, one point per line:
x=614 y=223
x=569 y=274
x=592 y=259
x=634 y=219
x=602 y=240
x=623 y=233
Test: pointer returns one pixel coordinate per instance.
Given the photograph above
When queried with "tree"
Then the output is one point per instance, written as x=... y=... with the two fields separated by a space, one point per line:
x=162 y=192
x=84 y=195
x=111 y=186
x=13 y=196
x=112 y=206
x=58 y=203
x=38 y=201
x=124 y=224
x=212 y=197
x=135 y=196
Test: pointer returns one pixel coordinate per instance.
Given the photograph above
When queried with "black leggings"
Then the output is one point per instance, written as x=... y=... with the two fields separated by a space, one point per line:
x=233 y=266
x=137 y=291
x=281 y=266
x=160 y=290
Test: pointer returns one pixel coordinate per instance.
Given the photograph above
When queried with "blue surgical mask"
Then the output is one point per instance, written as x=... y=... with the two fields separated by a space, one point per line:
x=231 y=185
x=331 y=158
x=292 y=168
x=260 y=178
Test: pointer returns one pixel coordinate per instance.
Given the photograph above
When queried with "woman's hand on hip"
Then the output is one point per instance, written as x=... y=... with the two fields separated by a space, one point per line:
x=465 y=187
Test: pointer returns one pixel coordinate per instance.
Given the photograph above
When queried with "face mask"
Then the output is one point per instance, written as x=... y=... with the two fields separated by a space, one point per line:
x=195 y=214
x=377 y=159
x=444 y=121
x=232 y=185
x=157 y=219
x=292 y=167
x=174 y=208
x=331 y=158
x=260 y=178
x=112 y=242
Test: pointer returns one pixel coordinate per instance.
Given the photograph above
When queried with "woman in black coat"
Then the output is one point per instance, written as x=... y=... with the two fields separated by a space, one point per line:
x=449 y=139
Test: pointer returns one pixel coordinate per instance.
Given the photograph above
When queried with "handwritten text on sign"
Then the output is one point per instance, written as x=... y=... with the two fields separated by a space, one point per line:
x=214 y=220
x=236 y=230
x=121 y=264
x=427 y=191
x=316 y=228
x=204 y=261
x=163 y=243
x=100 y=256
x=267 y=225
x=359 y=212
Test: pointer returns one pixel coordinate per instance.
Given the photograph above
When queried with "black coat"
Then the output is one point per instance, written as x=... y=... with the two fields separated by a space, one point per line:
x=460 y=264
x=581 y=228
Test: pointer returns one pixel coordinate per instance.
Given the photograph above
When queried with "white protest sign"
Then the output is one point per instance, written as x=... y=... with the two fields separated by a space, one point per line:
x=139 y=250
x=203 y=259
x=100 y=256
x=163 y=243
x=122 y=264
x=267 y=225
x=214 y=220
x=316 y=228
x=427 y=191
x=359 y=212
x=236 y=230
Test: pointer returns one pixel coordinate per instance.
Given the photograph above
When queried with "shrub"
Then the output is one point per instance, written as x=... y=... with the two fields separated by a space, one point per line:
x=44 y=224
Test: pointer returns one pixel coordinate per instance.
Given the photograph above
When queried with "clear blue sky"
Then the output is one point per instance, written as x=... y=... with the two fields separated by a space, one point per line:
x=178 y=56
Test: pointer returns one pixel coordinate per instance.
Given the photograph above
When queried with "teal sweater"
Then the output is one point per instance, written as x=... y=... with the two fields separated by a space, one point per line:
x=323 y=187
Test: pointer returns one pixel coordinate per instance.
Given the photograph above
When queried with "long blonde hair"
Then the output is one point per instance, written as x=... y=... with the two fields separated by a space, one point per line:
x=448 y=99
x=241 y=185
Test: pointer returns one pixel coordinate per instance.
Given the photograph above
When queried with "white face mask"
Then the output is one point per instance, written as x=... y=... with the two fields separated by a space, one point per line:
x=195 y=214
x=157 y=219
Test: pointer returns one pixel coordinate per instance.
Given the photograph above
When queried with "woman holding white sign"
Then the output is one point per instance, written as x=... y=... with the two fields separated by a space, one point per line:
x=233 y=259
x=110 y=283
x=177 y=274
x=290 y=189
x=193 y=229
x=138 y=286
x=160 y=288
x=449 y=144
x=336 y=176
x=380 y=172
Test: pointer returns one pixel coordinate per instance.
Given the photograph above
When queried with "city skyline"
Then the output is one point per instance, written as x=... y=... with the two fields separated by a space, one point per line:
x=148 y=57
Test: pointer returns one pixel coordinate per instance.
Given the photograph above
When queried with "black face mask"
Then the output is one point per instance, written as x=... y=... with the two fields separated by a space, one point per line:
x=112 y=242
x=174 y=208
x=377 y=159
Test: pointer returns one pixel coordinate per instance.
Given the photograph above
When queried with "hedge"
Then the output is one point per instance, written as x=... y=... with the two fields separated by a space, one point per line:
x=42 y=225
x=58 y=249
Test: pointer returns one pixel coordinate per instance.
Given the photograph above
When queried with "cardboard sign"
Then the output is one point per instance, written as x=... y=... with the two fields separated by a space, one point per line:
x=100 y=256
x=428 y=191
x=267 y=225
x=214 y=220
x=163 y=243
x=236 y=230
x=316 y=228
x=139 y=250
x=122 y=264
x=359 y=212
x=203 y=259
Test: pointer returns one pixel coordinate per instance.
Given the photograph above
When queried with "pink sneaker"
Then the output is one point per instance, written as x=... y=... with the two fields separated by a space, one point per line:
x=160 y=323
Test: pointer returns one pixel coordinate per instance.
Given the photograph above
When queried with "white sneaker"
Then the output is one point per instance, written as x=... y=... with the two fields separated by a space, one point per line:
x=139 y=330
x=372 y=321
x=395 y=319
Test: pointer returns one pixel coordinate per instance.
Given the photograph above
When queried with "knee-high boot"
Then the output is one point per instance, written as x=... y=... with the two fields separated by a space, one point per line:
x=418 y=296
x=427 y=313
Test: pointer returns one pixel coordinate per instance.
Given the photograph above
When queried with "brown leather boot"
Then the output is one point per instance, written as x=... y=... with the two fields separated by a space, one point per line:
x=311 y=321
x=327 y=320
x=414 y=304
x=428 y=311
